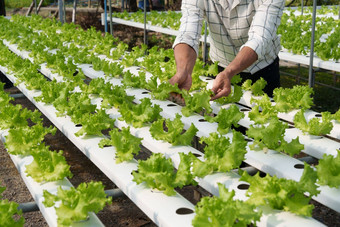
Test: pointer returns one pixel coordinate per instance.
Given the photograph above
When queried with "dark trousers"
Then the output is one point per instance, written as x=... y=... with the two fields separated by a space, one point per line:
x=270 y=73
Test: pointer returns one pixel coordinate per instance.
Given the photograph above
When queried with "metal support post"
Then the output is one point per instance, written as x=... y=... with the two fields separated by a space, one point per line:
x=35 y=6
x=105 y=15
x=123 y=5
x=110 y=12
x=311 y=78
x=298 y=74
x=64 y=9
x=205 y=43
x=61 y=10
x=74 y=11
x=145 y=31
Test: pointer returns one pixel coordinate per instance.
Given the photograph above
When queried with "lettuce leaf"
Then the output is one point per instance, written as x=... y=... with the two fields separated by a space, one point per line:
x=263 y=115
x=157 y=172
x=220 y=155
x=328 y=170
x=140 y=114
x=197 y=102
x=126 y=144
x=278 y=193
x=76 y=203
x=47 y=165
x=174 y=133
x=226 y=118
x=21 y=141
x=271 y=136
x=94 y=124
x=314 y=126
x=287 y=99
x=256 y=88
x=7 y=211
x=224 y=211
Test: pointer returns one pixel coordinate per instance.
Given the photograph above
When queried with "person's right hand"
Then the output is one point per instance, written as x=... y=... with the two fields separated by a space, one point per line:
x=184 y=81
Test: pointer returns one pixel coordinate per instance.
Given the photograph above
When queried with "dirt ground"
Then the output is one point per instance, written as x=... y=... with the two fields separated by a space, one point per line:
x=122 y=212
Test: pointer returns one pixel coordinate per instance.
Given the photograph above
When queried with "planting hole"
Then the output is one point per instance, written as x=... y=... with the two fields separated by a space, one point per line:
x=248 y=140
x=183 y=211
x=197 y=155
x=107 y=145
x=79 y=125
x=202 y=120
x=244 y=110
x=90 y=66
x=209 y=78
x=171 y=104
x=243 y=186
x=299 y=166
x=145 y=92
x=318 y=115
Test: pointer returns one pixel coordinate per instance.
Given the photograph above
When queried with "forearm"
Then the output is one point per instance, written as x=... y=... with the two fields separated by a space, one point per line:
x=185 y=58
x=245 y=58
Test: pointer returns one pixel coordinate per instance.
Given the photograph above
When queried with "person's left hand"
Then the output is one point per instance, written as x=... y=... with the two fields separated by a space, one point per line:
x=222 y=85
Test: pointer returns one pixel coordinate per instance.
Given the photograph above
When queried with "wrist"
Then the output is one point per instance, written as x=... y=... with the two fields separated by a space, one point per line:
x=228 y=73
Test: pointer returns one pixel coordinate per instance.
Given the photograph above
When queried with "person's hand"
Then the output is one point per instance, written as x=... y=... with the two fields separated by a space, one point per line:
x=222 y=85
x=184 y=81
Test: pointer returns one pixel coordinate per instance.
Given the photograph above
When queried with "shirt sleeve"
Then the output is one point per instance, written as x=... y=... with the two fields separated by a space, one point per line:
x=191 y=24
x=264 y=26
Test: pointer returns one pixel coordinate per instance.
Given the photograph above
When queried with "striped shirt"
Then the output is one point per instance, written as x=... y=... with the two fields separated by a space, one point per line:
x=233 y=24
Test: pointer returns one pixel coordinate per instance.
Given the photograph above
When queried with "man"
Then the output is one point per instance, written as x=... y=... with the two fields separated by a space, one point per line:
x=243 y=40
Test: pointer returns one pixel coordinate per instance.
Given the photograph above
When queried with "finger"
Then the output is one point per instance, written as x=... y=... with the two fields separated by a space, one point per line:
x=224 y=92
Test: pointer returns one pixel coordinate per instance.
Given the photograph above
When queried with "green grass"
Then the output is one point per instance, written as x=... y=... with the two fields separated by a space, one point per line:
x=325 y=98
x=11 y=4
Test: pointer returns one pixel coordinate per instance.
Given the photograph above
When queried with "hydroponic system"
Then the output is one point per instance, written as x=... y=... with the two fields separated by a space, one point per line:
x=262 y=159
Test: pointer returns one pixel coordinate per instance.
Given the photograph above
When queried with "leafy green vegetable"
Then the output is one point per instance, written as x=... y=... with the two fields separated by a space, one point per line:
x=328 y=170
x=174 y=134
x=93 y=124
x=130 y=80
x=336 y=115
x=226 y=118
x=287 y=99
x=139 y=114
x=256 y=88
x=164 y=89
x=77 y=203
x=47 y=165
x=21 y=141
x=126 y=144
x=13 y=116
x=183 y=174
x=234 y=96
x=7 y=211
x=158 y=172
x=263 y=115
x=197 y=102
x=272 y=137
x=314 y=126
x=220 y=155
x=224 y=211
x=114 y=96
x=281 y=193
